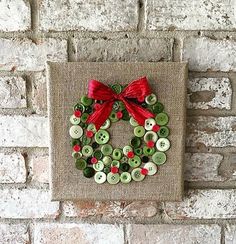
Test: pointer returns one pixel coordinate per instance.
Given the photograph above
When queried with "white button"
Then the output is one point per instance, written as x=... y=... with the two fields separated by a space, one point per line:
x=149 y=123
x=151 y=167
x=100 y=177
x=162 y=144
x=74 y=120
x=151 y=99
x=76 y=131
x=150 y=136
x=127 y=149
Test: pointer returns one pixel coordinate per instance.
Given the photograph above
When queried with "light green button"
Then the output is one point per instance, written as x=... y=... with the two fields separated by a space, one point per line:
x=150 y=136
x=106 y=149
x=86 y=101
x=81 y=164
x=113 y=178
x=117 y=154
x=136 y=175
x=124 y=160
x=91 y=127
x=76 y=131
x=99 y=166
x=135 y=161
x=106 y=124
x=100 y=177
x=139 y=131
x=87 y=150
x=125 y=177
x=77 y=155
x=133 y=122
x=74 y=120
x=151 y=99
x=149 y=124
x=151 y=167
x=163 y=131
x=147 y=151
x=115 y=163
x=162 y=144
x=113 y=117
x=162 y=119
x=107 y=160
x=102 y=137
x=127 y=149
x=159 y=158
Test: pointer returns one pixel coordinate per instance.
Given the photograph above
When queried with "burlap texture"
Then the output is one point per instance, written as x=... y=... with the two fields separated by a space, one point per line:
x=68 y=82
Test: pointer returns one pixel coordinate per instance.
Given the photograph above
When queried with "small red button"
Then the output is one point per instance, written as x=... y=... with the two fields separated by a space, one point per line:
x=119 y=114
x=97 y=106
x=76 y=148
x=130 y=154
x=89 y=133
x=155 y=128
x=144 y=171
x=114 y=170
x=77 y=113
x=150 y=144
x=94 y=160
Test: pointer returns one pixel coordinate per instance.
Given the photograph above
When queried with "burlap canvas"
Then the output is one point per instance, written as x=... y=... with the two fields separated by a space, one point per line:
x=68 y=82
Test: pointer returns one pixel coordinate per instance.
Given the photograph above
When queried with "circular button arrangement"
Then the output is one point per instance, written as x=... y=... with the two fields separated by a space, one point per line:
x=144 y=152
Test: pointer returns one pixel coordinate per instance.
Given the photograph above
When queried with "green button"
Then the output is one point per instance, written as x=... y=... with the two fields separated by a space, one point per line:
x=136 y=175
x=159 y=158
x=151 y=167
x=117 y=88
x=74 y=142
x=125 y=116
x=74 y=120
x=135 y=142
x=149 y=123
x=99 y=166
x=106 y=124
x=162 y=119
x=85 y=140
x=79 y=107
x=91 y=127
x=76 y=131
x=113 y=178
x=86 y=101
x=107 y=169
x=138 y=151
x=87 y=150
x=102 y=137
x=150 y=136
x=115 y=163
x=139 y=131
x=121 y=105
x=125 y=177
x=88 y=172
x=80 y=164
x=151 y=99
x=98 y=154
x=162 y=144
x=157 y=108
x=77 y=155
x=116 y=106
x=147 y=151
x=107 y=160
x=124 y=167
x=133 y=122
x=106 y=149
x=124 y=160
x=117 y=154
x=113 y=117
x=100 y=177
x=89 y=110
x=135 y=161
x=84 y=117
x=163 y=131
x=127 y=149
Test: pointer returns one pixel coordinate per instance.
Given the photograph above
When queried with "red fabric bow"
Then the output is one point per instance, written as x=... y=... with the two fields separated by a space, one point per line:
x=138 y=89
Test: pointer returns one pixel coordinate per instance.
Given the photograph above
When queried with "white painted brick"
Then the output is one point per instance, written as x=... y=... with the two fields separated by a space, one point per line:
x=69 y=233
x=110 y=209
x=220 y=87
x=202 y=167
x=100 y=15
x=21 y=131
x=173 y=234
x=204 y=204
x=211 y=131
x=124 y=49
x=191 y=15
x=207 y=54
x=230 y=234
x=27 y=203
x=15 y=15
x=14 y=234
x=25 y=55
x=12 y=168
x=12 y=92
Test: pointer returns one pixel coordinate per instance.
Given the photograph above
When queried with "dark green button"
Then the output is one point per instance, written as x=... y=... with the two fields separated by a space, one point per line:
x=157 y=108
x=80 y=164
x=124 y=167
x=89 y=110
x=98 y=154
x=102 y=137
x=85 y=140
x=117 y=154
x=74 y=142
x=95 y=145
x=79 y=107
x=86 y=101
x=88 y=172
x=125 y=116
x=84 y=117
x=107 y=170
x=135 y=142
x=117 y=88
x=113 y=117
x=138 y=151
x=162 y=119
x=159 y=158
x=163 y=131
x=147 y=151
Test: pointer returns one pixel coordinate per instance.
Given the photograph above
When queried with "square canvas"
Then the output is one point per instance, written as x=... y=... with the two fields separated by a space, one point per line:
x=68 y=82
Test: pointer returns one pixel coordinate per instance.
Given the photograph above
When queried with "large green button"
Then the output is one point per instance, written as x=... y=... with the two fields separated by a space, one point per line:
x=147 y=151
x=151 y=99
x=79 y=107
x=113 y=117
x=162 y=144
x=113 y=178
x=87 y=150
x=159 y=158
x=150 y=136
x=157 y=108
x=98 y=166
x=136 y=175
x=151 y=167
x=106 y=149
x=117 y=154
x=84 y=117
x=91 y=127
x=135 y=142
x=86 y=101
x=80 y=164
x=88 y=172
x=102 y=137
x=124 y=167
x=162 y=119
x=139 y=131
x=107 y=160
x=100 y=177
x=85 y=140
x=106 y=124
x=135 y=161
x=76 y=131
x=74 y=120
x=163 y=131
x=149 y=123
x=127 y=149
x=133 y=122
x=125 y=177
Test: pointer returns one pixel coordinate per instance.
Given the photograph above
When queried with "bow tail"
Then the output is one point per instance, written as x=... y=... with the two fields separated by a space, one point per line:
x=101 y=114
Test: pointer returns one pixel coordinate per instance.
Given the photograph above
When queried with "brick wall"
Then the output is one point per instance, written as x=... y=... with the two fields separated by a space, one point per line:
x=201 y=32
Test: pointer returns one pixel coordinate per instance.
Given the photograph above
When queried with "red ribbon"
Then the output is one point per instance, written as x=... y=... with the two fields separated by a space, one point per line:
x=138 y=89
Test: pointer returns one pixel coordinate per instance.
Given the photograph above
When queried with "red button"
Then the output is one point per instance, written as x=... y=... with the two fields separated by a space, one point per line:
x=77 y=113
x=144 y=171
x=94 y=160
x=77 y=148
x=155 y=128
x=130 y=154
x=97 y=106
x=114 y=170
x=89 y=133
x=119 y=114
x=150 y=144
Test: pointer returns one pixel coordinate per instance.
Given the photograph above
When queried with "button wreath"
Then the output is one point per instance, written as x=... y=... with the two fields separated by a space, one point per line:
x=97 y=111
